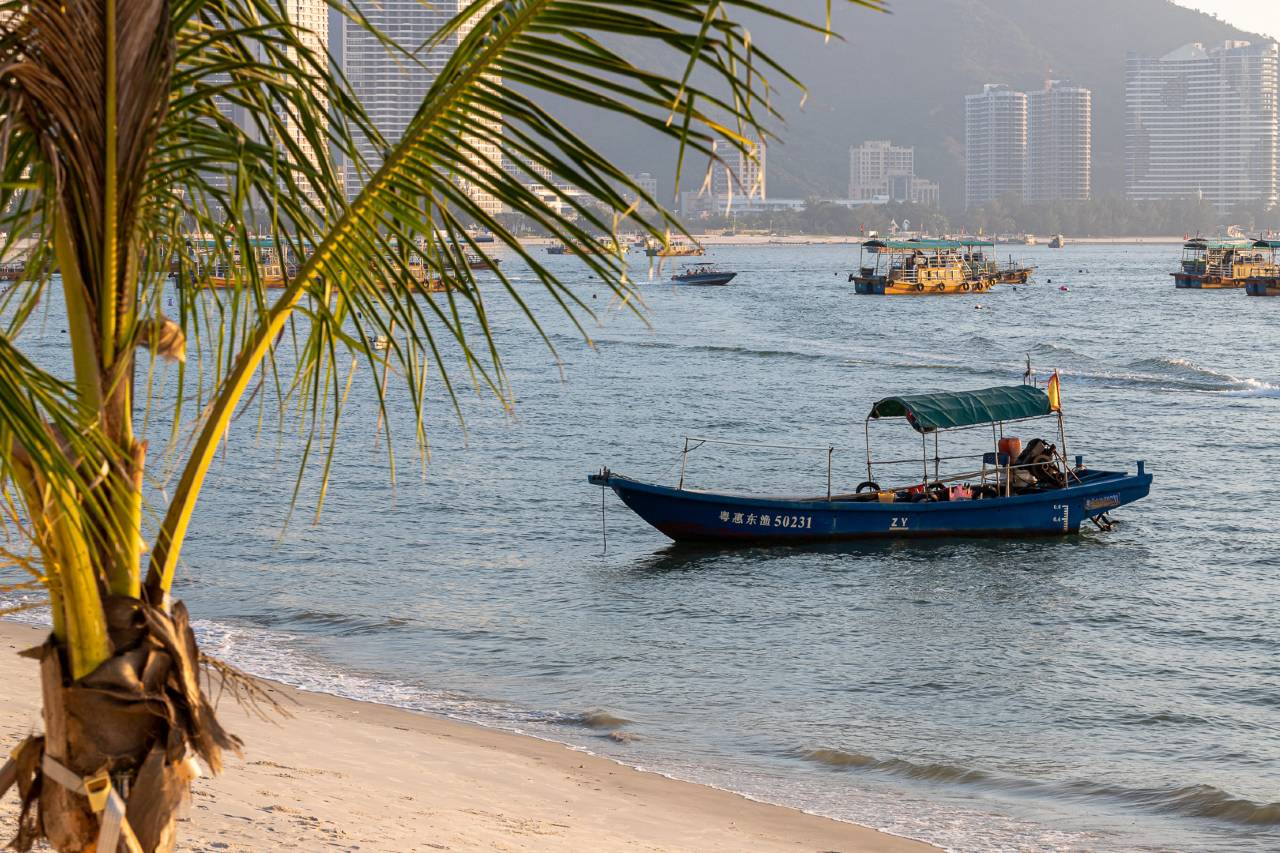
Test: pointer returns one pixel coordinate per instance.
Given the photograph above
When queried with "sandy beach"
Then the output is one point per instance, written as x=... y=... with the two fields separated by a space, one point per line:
x=344 y=775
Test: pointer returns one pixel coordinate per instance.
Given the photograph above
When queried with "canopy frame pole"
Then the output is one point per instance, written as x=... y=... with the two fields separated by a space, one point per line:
x=936 y=459
x=995 y=456
x=1008 y=466
x=924 y=456
x=684 y=459
x=830 y=453
x=1067 y=473
x=866 y=428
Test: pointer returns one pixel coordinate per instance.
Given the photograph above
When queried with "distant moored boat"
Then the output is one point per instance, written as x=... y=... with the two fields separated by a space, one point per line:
x=1221 y=264
x=924 y=268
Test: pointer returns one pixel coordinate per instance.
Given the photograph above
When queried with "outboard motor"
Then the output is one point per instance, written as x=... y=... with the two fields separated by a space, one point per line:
x=1039 y=457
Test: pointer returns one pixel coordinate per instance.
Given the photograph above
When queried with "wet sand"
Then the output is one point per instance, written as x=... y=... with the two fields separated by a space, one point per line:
x=344 y=775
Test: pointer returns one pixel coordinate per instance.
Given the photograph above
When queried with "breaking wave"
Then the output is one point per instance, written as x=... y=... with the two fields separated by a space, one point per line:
x=1197 y=801
x=1149 y=373
x=594 y=719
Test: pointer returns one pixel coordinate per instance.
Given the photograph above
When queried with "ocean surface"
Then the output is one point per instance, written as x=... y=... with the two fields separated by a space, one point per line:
x=1111 y=691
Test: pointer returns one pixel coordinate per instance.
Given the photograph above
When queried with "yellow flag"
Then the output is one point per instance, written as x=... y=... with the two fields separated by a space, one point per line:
x=1055 y=395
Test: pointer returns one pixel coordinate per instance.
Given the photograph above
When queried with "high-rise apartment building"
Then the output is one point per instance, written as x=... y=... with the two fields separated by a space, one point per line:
x=872 y=164
x=487 y=156
x=311 y=17
x=1204 y=122
x=880 y=171
x=735 y=176
x=995 y=141
x=391 y=87
x=741 y=174
x=1059 y=143
x=647 y=183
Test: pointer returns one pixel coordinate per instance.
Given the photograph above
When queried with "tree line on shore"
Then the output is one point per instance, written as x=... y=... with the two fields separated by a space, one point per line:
x=1110 y=215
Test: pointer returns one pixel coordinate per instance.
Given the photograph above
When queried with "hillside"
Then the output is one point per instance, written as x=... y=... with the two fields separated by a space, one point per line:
x=903 y=76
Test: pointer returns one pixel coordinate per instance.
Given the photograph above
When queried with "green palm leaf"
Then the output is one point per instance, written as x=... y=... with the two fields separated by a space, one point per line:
x=152 y=137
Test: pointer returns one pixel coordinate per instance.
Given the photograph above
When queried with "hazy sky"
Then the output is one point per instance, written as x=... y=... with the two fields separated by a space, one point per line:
x=1259 y=16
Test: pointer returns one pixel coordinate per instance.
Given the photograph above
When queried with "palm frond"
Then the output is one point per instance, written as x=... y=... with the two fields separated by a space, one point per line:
x=478 y=136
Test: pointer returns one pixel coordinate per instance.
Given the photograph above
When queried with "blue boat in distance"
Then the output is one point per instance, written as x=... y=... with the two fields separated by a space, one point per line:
x=1035 y=493
x=703 y=275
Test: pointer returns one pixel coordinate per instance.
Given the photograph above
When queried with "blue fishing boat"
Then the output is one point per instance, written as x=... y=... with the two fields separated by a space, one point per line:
x=1014 y=492
x=703 y=275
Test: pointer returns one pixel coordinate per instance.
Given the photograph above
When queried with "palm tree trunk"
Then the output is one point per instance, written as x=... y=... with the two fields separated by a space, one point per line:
x=140 y=717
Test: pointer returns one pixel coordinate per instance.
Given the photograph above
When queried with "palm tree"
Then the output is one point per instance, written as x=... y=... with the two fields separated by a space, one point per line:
x=122 y=166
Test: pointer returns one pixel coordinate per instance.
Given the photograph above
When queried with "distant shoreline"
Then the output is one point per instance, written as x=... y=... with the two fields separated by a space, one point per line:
x=803 y=239
x=839 y=240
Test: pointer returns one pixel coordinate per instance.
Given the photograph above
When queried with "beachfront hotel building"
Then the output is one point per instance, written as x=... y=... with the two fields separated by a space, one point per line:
x=1204 y=122
x=1059 y=143
x=995 y=144
x=880 y=172
x=392 y=87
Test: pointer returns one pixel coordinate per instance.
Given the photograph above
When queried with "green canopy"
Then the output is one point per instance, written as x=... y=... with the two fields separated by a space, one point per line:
x=929 y=412
x=923 y=244
x=1200 y=243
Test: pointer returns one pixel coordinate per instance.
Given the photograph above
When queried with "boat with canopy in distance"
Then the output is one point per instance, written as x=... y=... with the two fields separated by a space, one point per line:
x=1264 y=285
x=923 y=268
x=1007 y=491
x=672 y=248
x=1222 y=264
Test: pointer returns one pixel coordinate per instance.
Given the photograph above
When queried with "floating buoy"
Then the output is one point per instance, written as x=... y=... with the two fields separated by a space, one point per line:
x=1063 y=288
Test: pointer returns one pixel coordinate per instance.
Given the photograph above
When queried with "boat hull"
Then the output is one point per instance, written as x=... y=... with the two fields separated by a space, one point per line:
x=695 y=516
x=1015 y=276
x=879 y=286
x=1191 y=281
x=1262 y=287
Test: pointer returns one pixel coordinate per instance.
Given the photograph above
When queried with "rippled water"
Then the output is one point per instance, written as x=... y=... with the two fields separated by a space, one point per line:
x=1111 y=691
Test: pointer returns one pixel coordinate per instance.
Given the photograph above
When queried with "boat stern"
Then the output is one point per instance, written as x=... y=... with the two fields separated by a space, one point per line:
x=1115 y=490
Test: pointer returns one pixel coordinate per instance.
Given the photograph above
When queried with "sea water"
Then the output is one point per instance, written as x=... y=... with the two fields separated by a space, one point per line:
x=1110 y=691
